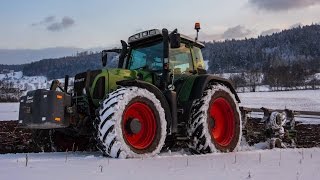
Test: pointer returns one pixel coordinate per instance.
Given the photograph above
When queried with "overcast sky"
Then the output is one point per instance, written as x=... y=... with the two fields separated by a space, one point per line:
x=36 y=24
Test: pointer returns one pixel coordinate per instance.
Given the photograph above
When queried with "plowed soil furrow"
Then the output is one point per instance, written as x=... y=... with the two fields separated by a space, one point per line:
x=17 y=140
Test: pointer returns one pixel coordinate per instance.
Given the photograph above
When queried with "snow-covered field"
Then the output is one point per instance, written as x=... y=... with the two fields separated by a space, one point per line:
x=26 y=82
x=9 y=111
x=290 y=164
x=306 y=100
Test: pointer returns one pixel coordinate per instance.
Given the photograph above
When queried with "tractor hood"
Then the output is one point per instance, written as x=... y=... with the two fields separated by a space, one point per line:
x=101 y=82
x=84 y=79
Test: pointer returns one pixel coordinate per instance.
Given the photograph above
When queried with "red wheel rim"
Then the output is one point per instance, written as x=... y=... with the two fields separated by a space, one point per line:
x=145 y=115
x=222 y=120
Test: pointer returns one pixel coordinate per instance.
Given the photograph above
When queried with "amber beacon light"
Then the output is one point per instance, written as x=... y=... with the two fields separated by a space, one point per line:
x=197 y=28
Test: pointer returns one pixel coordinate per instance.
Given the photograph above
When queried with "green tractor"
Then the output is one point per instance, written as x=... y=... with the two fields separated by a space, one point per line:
x=160 y=96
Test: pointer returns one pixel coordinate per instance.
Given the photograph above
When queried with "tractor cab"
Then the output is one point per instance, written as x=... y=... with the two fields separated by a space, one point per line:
x=169 y=56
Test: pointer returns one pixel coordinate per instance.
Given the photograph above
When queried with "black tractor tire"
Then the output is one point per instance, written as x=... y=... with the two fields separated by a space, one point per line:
x=130 y=123
x=215 y=122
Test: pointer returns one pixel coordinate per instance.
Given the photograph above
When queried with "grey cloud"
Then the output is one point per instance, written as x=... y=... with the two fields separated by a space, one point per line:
x=65 y=23
x=49 y=19
x=52 y=24
x=270 y=32
x=46 y=20
x=236 y=32
x=280 y=5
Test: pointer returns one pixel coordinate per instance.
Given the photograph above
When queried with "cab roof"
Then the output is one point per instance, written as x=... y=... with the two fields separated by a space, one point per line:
x=152 y=33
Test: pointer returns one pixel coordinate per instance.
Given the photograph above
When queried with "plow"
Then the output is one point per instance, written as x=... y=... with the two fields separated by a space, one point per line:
x=160 y=97
x=281 y=128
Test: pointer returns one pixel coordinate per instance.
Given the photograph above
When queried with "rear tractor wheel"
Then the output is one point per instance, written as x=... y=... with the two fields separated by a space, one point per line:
x=215 y=123
x=131 y=123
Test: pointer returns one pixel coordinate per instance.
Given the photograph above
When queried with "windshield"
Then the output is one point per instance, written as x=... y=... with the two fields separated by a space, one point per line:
x=148 y=57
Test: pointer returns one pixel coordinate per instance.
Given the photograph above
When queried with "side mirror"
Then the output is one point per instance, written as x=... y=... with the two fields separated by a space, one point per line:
x=175 y=40
x=104 y=57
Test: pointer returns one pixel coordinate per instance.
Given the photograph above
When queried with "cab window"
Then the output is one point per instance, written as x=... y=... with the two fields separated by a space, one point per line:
x=181 y=60
x=198 y=59
x=148 y=57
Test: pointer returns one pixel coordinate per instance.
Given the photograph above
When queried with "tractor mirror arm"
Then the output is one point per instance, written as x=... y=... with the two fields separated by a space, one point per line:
x=104 y=55
x=124 y=52
x=175 y=39
x=165 y=73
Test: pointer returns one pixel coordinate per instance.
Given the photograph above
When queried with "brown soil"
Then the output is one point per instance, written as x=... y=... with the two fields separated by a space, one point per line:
x=17 y=140
x=307 y=135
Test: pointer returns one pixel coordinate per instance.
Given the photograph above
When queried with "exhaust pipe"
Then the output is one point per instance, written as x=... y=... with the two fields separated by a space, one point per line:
x=66 y=83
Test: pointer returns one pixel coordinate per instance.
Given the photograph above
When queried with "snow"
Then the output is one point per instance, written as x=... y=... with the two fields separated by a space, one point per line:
x=303 y=100
x=289 y=164
x=307 y=119
x=249 y=163
x=300 y=100
x=9 y=111
x=206 y=64
x=11 y=75
x=28 y=83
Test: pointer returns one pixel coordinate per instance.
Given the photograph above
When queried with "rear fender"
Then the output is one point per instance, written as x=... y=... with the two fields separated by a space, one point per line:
x=202 y=81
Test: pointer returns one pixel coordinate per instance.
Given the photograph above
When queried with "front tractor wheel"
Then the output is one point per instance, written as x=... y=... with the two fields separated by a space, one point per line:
x=131 y=123
x=215 y=123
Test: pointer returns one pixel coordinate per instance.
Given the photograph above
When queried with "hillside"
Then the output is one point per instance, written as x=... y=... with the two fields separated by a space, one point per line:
x=57 y=68
x=294 y=50
x=294 y=46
